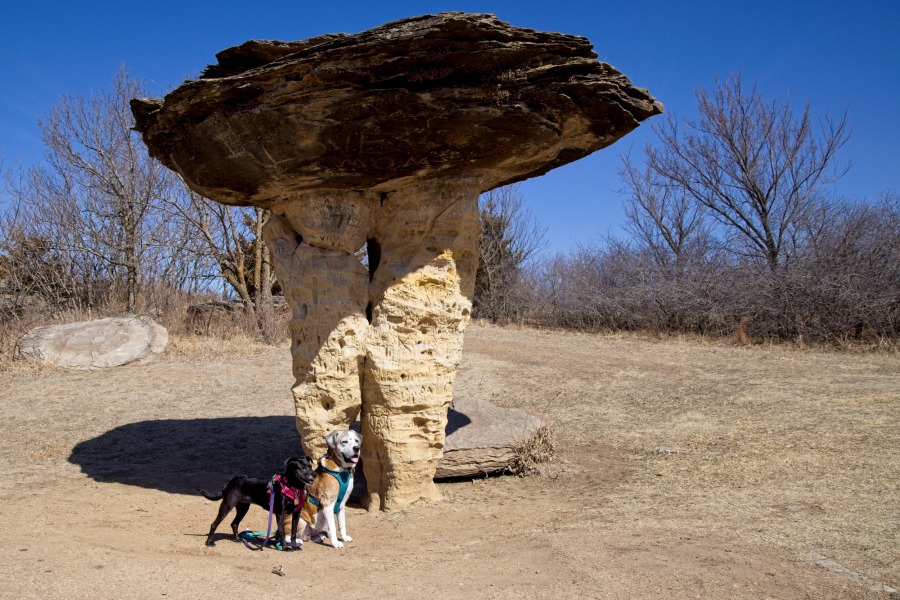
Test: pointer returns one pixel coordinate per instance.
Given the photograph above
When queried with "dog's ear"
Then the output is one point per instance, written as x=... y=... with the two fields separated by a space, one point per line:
x=289 y=461
x=331 y=440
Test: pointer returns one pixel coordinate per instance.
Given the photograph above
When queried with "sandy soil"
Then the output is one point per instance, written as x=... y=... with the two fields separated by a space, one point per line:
x=684 y=469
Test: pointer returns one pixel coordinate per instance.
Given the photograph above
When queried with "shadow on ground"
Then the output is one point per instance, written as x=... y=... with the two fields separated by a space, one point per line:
x=178 y=456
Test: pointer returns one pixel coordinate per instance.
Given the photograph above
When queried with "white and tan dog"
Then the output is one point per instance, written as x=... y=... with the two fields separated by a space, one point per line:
x=327 y=495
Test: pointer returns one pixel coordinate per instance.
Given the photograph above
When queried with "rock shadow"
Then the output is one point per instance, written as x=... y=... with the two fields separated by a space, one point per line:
x=178 y=456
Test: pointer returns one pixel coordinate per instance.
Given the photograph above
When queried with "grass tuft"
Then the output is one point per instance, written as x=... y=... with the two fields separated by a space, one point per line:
x=533 y=452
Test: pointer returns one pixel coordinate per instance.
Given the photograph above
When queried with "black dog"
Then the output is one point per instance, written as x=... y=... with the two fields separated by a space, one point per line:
x=242 y=491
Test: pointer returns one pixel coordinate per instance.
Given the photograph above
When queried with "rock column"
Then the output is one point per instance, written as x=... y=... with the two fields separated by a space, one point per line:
x=420 y=298
x=386 y=341
x=312 y=241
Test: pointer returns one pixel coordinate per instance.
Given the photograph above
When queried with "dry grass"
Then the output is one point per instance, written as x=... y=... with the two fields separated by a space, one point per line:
x=683 y=465
x=199 y=346
x=794 y=448
x=533 y=453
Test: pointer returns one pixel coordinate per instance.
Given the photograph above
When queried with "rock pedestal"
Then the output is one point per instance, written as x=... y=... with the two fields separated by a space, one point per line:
x=385 y=139
x=387 y=339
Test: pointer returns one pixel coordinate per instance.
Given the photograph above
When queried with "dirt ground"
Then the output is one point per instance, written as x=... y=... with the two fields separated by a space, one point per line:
x=684 y=469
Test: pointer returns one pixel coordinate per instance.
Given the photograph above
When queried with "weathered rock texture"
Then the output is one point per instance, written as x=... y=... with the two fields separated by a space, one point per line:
x=483 y=438
x=385 y=139
x=90 y=345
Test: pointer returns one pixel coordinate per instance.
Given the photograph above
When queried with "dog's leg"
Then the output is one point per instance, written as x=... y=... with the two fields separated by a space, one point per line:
x=296 y=542
x=306 y=532
x=279 y=520
x=342 y=525
x=242 y=509
x=328 y=513
x=224 y=509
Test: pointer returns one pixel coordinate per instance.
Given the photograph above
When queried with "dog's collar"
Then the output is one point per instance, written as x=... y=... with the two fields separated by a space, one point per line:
x=327 y=463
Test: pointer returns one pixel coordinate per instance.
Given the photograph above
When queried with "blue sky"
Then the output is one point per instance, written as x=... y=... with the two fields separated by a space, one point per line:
x=837 y=55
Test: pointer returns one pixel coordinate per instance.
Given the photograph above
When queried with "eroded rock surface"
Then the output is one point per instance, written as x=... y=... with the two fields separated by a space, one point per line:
x=385 y=139
x=432 y=97
x=98 y=344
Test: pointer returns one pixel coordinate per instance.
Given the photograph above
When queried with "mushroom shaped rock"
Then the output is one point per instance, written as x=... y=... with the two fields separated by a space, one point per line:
x=385 y=138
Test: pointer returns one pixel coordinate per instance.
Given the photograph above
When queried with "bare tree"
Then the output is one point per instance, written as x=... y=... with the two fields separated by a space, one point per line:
x=263 y=278
x=665 y=219
x=226 y=242
x=97 y=198
x=219 y=235
x=101 y=224
x=756 y=165
x=510 y=237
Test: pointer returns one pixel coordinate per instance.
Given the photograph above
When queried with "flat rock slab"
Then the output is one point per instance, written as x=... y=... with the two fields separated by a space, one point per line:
x=90 y=345
x=482 y=438
x=432 y=97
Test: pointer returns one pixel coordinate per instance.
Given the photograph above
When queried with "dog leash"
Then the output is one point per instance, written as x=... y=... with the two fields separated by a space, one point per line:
x=297 y=495
x=269 y=526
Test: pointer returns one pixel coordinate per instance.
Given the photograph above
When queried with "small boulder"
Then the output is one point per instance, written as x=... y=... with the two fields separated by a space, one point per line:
x=90 y=345
x=483 y=438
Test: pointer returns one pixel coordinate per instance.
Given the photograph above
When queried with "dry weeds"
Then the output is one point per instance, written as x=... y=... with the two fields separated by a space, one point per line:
x=205 y=347
x=533 y=453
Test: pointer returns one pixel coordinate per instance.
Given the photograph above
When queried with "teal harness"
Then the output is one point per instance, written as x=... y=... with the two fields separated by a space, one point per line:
x=343 y=479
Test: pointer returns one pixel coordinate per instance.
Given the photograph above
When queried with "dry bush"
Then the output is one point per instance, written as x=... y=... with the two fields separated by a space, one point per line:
x=841 y=287
x=532 y=453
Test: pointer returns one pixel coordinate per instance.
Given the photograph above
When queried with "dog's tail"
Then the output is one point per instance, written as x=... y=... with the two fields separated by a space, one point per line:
x=209 y=496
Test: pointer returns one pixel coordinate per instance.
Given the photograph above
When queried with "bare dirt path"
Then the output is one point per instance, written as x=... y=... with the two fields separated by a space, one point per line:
x=684 y=470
